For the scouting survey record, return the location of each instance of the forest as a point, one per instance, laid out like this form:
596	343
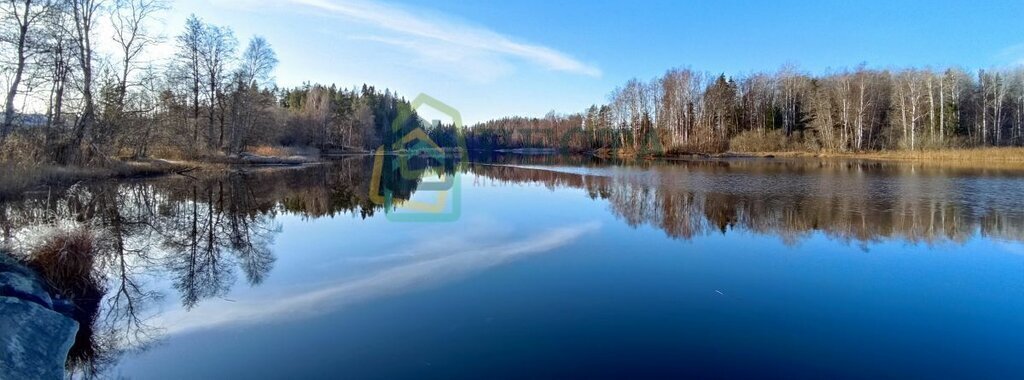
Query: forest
66	103
686	111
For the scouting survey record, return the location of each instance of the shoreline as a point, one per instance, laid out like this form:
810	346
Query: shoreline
22	179
17	179
977	157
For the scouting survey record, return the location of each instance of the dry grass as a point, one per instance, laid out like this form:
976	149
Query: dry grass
66	261
1004	155
757	141
961	158
16	178
170	153
270	151
282	151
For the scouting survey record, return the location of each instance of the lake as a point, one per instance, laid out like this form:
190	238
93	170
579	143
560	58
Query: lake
551	266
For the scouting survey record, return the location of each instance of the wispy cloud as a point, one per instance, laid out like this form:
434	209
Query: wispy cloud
464	258
443	38
464	63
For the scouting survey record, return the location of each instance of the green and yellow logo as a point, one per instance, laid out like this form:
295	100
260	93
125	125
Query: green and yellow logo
439	184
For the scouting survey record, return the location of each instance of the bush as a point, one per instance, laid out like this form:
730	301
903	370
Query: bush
66	260
22	147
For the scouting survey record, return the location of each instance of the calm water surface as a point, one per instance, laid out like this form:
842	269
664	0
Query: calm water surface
559	267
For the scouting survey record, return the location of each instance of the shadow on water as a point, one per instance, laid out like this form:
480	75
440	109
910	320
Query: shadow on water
205	234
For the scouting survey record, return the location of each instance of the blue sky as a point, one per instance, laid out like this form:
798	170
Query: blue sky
496	58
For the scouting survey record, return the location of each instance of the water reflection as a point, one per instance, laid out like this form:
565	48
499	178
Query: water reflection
424	269
852	201
201	234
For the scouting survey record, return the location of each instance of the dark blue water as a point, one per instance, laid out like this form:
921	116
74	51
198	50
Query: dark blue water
711	270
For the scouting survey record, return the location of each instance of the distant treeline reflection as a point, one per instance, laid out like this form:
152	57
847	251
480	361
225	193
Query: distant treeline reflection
846	200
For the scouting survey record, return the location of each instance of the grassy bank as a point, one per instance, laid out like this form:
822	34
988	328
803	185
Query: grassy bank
968	158
18	178
971	155
982	158
1000	155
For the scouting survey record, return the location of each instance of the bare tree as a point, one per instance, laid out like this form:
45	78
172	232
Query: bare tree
132	37
23	15
84	14
189	60
217	49
258	61
248	102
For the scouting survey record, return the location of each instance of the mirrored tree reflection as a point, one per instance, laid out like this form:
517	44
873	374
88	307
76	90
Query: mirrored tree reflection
202	234
850	201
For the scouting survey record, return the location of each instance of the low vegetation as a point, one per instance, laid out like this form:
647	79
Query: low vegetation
65	260
18	177
1007	155
760	141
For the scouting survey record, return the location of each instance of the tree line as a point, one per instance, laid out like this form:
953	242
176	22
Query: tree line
66	102
845	111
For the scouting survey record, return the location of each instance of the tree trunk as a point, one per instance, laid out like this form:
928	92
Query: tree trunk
942	111
19	69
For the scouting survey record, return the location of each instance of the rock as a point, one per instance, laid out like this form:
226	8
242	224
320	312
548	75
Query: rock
24	287
34	340
20	282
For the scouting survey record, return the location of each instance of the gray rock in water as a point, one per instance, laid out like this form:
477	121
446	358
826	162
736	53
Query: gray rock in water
34	340
24	287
